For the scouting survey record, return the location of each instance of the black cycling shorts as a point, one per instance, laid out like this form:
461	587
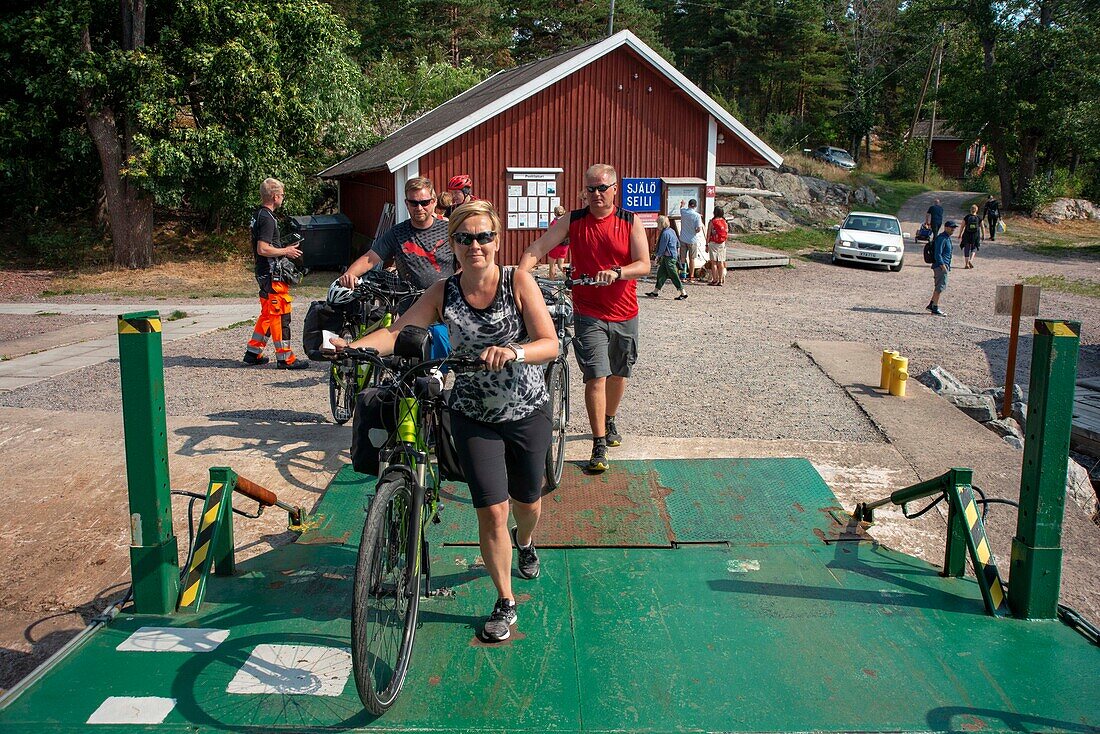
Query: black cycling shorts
502	460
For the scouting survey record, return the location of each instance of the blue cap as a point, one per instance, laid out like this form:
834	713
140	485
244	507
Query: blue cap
951	223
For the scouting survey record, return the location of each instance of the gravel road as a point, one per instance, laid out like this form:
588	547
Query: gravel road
721	364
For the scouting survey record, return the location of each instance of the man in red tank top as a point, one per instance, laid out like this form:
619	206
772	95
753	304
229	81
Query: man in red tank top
609	244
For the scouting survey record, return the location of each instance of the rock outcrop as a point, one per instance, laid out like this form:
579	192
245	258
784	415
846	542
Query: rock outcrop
1060	210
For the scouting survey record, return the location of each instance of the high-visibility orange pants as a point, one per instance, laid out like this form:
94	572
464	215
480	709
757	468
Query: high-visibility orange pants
274	321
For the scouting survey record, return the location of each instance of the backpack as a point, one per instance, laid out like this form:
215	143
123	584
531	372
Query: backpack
929	252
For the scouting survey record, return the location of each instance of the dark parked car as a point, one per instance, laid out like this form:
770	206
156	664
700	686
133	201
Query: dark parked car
835	156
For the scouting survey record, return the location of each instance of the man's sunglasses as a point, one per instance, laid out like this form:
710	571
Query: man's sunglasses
467	238
601	188
419	202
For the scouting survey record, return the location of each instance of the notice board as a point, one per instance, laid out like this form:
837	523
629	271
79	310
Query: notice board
532	195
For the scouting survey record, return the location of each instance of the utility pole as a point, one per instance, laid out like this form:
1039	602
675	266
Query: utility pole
923	91
611	21
935	99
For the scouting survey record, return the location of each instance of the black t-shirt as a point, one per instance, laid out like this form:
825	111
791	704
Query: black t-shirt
935	214
264	229
992	208
422	255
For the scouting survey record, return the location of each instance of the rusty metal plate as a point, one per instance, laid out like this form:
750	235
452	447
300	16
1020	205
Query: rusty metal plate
622	507
745	501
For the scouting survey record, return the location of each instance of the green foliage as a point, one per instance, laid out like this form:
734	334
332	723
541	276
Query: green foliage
893	193
402	90
798	240
909	160
72	247
1046	187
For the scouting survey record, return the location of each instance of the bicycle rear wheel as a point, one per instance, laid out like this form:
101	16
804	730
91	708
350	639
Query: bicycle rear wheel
385	603
557	384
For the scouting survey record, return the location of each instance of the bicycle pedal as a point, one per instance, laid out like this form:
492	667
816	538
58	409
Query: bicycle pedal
437	519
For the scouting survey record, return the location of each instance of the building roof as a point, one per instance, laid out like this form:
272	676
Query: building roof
508	88
943	131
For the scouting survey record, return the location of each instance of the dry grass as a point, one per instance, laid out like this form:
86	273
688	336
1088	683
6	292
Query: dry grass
1075	238
808	166
187	279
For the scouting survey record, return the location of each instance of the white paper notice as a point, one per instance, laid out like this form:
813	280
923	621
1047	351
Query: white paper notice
513	221
513	203
544	205
532	188
523	220
542	188
555	202
515	190
551	188
544	221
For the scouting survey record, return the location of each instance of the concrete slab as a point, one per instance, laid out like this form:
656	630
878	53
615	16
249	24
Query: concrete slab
933	436
61	337
737	258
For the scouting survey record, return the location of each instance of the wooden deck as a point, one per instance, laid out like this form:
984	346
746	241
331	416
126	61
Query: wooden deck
1086	417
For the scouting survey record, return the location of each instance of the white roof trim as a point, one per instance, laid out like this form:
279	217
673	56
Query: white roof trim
579	61
535	170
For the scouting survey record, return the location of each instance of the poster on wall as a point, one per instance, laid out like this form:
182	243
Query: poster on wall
532	196
675	193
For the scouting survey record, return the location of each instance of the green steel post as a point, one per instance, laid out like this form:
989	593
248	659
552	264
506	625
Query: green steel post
1036	572
154	564
225	563
954	557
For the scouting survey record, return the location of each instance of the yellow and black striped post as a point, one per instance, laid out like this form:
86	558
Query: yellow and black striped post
213	544
154	566
965	513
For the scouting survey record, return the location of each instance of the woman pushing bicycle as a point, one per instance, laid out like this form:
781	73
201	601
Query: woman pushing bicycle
499	420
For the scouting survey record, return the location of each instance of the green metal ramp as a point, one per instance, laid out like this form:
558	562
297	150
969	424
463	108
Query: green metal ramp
650	616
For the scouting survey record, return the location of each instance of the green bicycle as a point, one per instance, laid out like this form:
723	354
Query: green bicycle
393	553
374	303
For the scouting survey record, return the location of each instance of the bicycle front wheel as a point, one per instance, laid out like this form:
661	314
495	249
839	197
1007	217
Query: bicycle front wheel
557	384
386	596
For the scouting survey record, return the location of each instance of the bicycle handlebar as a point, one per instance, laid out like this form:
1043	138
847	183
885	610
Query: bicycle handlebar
393	363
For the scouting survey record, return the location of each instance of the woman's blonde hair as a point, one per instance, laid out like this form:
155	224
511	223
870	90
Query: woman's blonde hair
473	209
973	208
663	222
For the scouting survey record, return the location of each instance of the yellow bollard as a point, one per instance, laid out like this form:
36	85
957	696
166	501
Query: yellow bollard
887	368
899	375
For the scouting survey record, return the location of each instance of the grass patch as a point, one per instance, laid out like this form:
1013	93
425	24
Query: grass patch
798	240
1066	239
176	315
892	193
1060	283
236	325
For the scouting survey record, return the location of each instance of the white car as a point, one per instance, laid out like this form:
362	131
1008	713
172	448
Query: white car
866	237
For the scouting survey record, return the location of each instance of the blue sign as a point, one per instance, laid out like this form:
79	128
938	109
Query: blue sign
642	194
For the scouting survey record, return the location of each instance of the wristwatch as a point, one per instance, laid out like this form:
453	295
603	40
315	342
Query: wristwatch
618	272
519	353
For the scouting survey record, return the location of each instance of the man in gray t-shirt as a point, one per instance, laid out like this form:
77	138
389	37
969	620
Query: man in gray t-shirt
690	224
418	245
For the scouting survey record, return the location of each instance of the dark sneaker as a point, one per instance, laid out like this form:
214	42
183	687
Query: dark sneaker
298	364
937	312
252	359
613	437
652	294
598	462
528	564
682	297
498	627
930	307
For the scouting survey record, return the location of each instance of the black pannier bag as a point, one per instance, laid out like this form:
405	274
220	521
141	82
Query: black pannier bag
320	316
376	420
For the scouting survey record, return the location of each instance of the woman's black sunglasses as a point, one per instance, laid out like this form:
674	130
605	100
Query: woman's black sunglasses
467	238
601	188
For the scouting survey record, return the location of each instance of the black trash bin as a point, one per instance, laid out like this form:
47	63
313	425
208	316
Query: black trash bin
326	241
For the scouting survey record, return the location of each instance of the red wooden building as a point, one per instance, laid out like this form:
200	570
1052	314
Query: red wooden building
950	152
526	136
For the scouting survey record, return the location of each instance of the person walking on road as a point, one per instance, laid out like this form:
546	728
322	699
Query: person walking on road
991	212
971	240
667	250
933	218
275	300
941	266
608	243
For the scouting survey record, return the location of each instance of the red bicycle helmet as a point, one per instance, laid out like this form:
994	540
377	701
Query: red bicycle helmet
459	182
